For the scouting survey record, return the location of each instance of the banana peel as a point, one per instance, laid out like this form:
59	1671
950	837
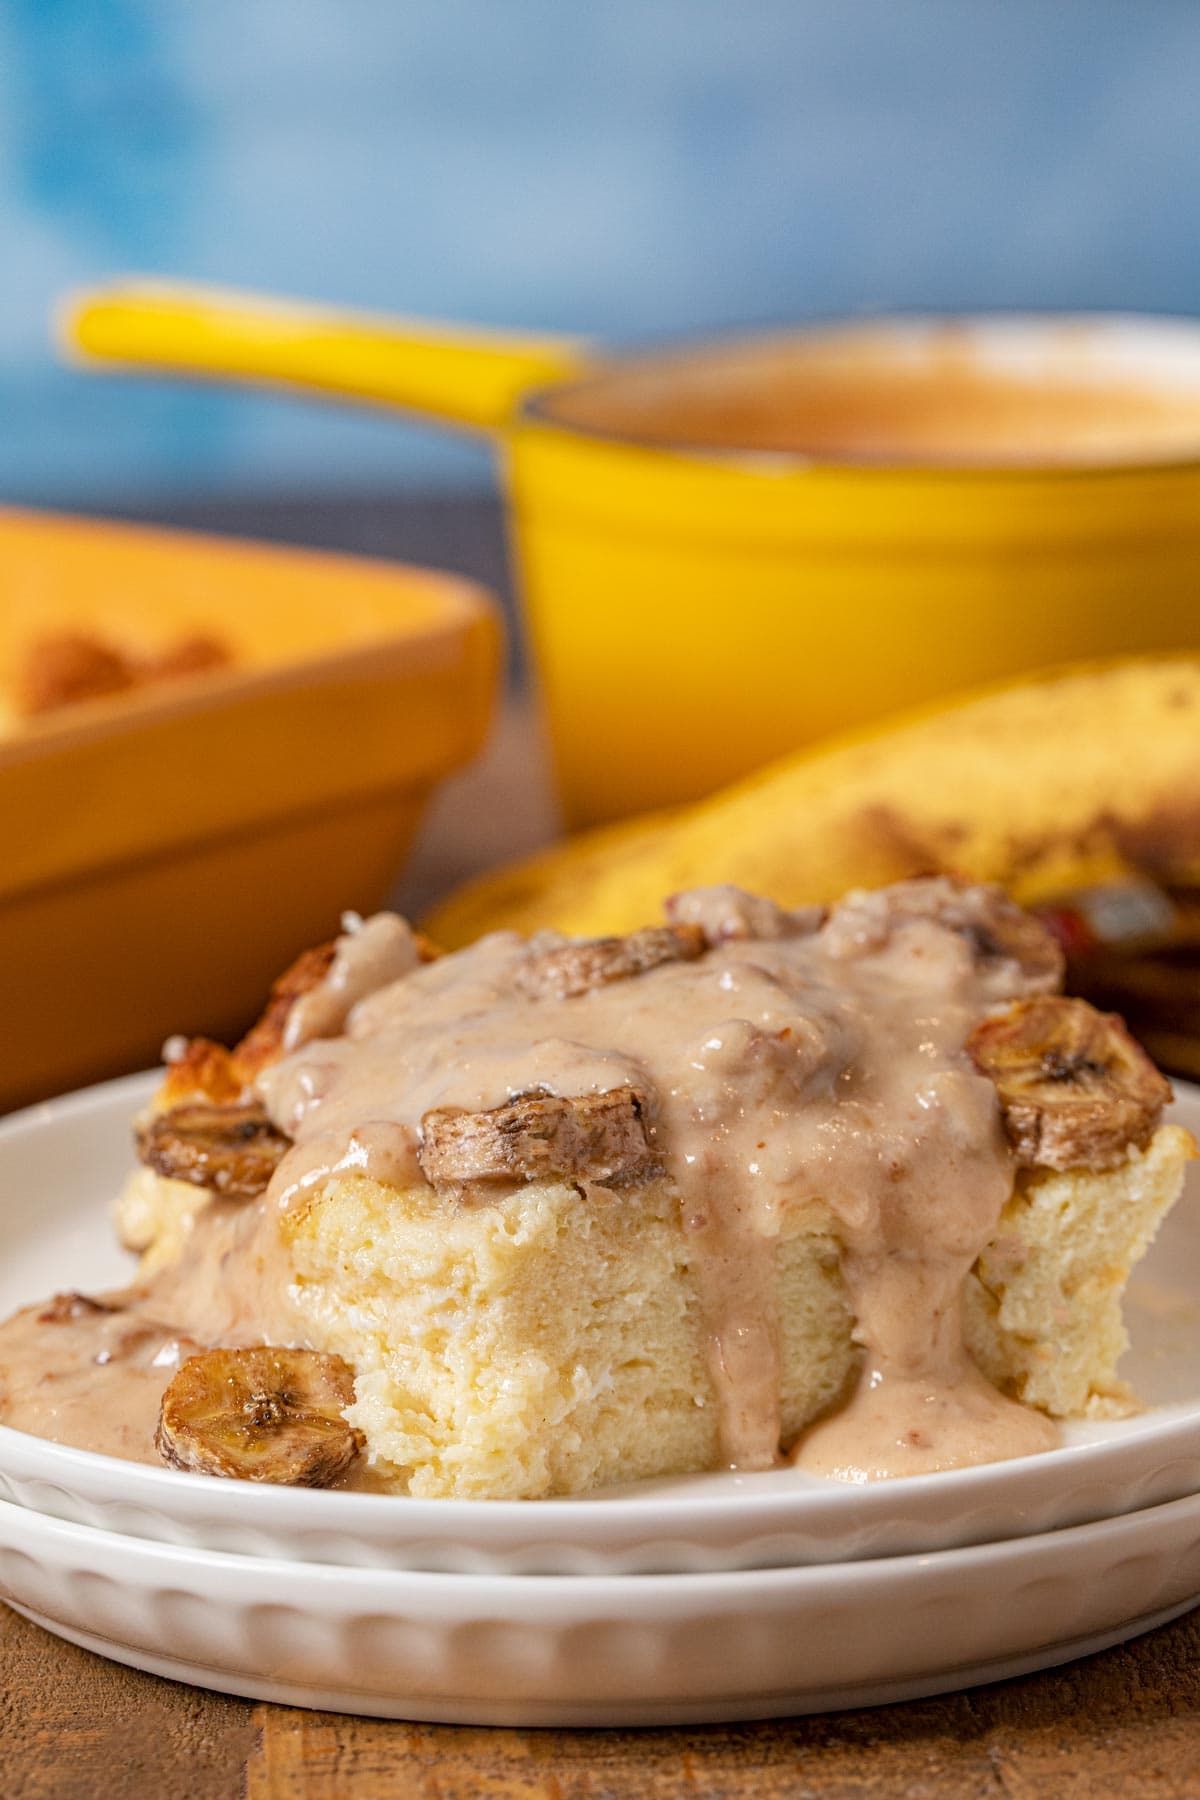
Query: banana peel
1071	779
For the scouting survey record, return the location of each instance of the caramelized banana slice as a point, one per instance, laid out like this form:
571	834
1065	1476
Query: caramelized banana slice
572	969
538	1137
231	1149
260	1415
1075	1089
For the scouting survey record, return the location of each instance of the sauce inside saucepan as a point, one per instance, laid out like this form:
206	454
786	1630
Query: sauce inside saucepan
944	393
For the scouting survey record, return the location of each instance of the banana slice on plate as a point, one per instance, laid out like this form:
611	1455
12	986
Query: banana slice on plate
261	1414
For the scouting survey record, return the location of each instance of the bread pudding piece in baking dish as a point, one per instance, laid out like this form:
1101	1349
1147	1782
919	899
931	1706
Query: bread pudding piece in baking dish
859	1188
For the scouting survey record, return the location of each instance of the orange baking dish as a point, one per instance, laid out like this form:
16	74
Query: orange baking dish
163	854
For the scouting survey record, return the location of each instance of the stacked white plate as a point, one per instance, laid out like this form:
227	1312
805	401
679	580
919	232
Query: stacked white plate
707	1598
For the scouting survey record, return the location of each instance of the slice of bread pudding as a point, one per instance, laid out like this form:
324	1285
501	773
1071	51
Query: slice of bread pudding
545	1215
858	1187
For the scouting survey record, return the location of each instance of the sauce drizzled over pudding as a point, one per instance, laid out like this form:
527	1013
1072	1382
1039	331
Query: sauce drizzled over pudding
859	1188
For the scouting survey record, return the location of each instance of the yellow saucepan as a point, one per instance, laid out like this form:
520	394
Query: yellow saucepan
726	551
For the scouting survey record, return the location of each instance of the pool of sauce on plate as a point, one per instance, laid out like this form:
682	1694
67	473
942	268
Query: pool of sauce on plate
97	1380
811	1062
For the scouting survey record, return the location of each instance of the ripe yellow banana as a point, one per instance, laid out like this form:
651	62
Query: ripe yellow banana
1069	780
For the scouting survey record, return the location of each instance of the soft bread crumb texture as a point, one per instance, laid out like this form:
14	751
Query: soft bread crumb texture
547	1343
552	1340
1043	1303
154	1216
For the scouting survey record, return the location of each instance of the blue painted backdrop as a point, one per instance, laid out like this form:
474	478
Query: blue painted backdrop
619	167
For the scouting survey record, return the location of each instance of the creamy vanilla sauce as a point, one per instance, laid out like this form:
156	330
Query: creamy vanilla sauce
815	1065
370	954
97	1381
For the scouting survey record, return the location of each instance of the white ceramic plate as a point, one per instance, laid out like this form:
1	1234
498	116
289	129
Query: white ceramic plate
61	1164
612	1650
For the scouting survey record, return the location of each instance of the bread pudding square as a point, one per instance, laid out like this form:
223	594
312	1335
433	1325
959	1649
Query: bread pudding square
858	1189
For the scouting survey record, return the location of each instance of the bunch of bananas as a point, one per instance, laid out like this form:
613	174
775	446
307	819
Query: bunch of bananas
1078	790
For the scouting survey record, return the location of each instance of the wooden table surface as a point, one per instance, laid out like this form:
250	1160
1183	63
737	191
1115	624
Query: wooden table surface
1124	1725
75	1727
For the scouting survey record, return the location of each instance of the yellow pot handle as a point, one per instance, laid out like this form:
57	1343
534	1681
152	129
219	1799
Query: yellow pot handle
463	376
